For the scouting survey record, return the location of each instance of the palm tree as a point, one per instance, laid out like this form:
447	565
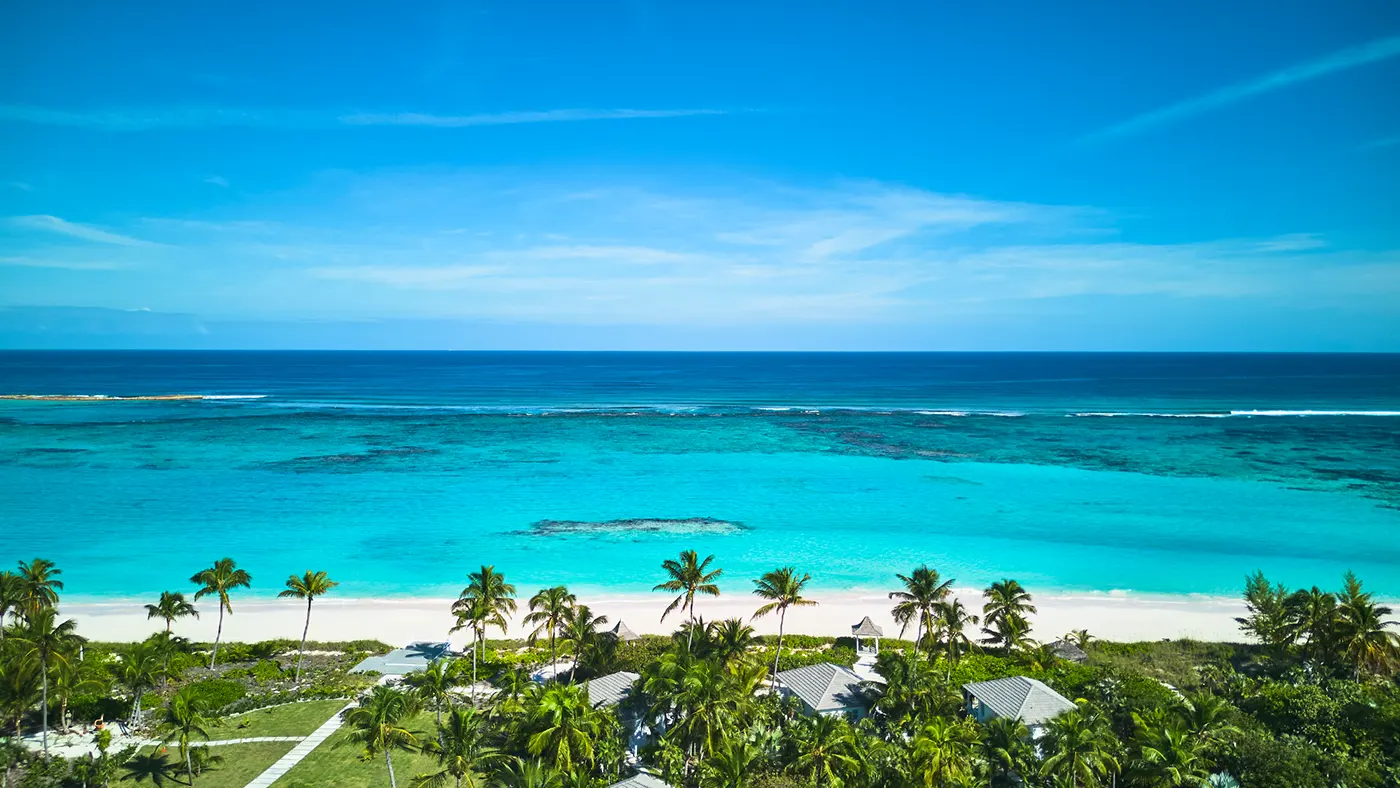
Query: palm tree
462	751
172	605
45	640
19	686
1207	718
1269	618
826	751
1362	632
1007	750
1006	614
38	585
377	723
942	751
1314	618
783	589
218	580
140	669
1081	748
528	774
153	766
561	728
580	632
186	716
1170	758
10	595
923	590
730	639
485	602
688	578
1079	637
548	611
950	622
433	684
732	766
309	586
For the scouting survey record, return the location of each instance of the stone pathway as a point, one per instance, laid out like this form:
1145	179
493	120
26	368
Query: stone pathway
276	770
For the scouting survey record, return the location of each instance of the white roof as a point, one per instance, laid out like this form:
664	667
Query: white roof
1019	697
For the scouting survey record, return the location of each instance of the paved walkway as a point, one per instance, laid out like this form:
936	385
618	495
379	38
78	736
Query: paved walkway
276	770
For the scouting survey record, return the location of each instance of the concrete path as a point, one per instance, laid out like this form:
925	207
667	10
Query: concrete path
276	770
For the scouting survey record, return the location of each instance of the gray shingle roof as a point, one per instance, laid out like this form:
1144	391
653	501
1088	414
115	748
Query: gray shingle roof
623	633
640	781
1019	697
402	661
867	629
609	690
824	687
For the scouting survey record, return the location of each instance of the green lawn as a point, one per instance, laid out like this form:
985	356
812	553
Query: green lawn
242	762
337	765
297	719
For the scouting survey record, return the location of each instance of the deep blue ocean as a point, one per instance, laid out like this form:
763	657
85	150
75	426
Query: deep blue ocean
400	472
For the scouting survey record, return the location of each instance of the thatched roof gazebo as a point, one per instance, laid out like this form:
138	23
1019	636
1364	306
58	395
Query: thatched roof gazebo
623	633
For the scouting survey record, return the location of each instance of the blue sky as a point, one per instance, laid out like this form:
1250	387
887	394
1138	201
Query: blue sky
651	175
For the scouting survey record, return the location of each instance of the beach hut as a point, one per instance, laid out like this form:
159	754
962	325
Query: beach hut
826	689
1016	697
623	634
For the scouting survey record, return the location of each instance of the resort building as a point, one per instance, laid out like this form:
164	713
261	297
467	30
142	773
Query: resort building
403	661
825	689
640	780
611	689
1016	697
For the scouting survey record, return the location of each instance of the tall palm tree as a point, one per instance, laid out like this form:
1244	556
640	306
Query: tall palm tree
486	602
463	752
1170	758
187	717
942	751
549	609
1080	747
172	606
1006	614
377	724
19	686
309	586
1363	634
141	667
580	631
731	766
10	595
1007	751
433	684
218	581
38	585
562	728
688	578
826	751
45	640
923	590
783	589
1314	619
730	639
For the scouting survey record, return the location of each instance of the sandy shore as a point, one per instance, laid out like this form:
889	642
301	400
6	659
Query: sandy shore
1122	617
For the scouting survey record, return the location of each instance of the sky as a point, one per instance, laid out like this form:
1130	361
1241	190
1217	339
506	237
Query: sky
637	174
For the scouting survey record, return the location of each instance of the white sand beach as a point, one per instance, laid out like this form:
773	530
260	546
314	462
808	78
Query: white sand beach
1122	617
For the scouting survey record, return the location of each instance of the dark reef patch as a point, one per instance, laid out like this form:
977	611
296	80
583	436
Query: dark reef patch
632	527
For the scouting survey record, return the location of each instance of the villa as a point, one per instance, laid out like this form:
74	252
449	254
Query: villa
1015	697
640	780
611	689
826	689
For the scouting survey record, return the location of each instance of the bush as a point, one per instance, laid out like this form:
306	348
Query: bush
91	707
643	651
218	693
801	659
266	670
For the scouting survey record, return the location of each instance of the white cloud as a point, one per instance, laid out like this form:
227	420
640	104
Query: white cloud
69	265
217	180
513	118
53	224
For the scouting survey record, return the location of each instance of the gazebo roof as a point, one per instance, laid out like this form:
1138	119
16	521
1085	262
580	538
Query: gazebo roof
867	629
622	633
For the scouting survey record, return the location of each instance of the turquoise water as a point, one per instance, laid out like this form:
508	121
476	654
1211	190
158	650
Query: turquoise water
398	473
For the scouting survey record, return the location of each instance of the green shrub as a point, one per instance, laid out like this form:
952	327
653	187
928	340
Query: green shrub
266	670
218	693
88	707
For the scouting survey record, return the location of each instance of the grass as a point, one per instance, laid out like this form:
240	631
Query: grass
296	719
242	762
336	764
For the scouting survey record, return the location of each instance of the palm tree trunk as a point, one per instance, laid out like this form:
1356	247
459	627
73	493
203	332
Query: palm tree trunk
218	633
782	619
553	658
44	670
189	765
301	652
392	782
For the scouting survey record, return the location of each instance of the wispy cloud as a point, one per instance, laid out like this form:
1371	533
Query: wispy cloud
53	224
511	118
1354	57
128	119
217	180
21	185
1382	143
69	265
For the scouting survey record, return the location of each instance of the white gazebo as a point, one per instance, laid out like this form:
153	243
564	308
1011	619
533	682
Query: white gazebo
866	652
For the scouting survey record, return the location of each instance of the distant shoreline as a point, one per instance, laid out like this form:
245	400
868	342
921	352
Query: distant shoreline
97	397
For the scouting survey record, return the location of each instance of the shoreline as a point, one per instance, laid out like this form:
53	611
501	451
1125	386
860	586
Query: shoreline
397	621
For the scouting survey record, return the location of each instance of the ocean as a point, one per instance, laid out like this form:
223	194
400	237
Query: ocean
400	472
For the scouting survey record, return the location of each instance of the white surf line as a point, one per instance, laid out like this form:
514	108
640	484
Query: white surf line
286	762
